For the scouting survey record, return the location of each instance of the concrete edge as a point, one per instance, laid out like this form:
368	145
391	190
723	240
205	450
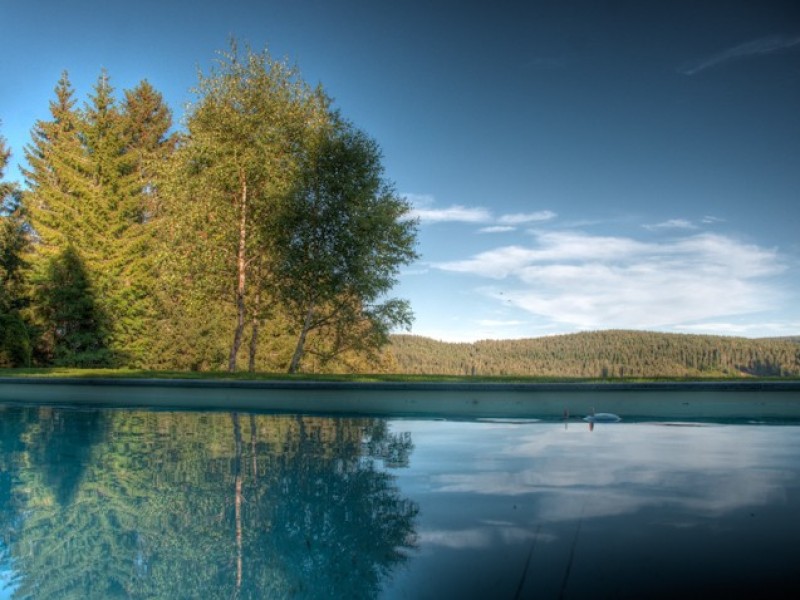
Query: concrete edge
660	400
726	386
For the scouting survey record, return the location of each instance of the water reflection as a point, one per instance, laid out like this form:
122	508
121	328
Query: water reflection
199	505
628	510
139	504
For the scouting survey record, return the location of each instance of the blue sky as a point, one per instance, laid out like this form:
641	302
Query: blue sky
574	165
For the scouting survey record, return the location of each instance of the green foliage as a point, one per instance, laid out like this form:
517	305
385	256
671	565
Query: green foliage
180	239
601	354
240	215
15	335
244	134
74	325
92	186
340	238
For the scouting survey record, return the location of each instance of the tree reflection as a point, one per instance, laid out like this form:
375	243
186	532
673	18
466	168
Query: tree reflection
211	505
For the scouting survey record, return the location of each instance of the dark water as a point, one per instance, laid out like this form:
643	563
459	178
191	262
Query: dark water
142	504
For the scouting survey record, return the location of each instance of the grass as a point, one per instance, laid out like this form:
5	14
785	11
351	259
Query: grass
246	376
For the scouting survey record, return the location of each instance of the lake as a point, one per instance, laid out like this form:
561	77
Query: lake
145	503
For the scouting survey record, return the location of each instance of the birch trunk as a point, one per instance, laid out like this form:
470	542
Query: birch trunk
256	309
301	342
237	503
241	267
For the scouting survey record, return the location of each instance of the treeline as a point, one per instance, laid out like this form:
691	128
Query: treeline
264	233
602	354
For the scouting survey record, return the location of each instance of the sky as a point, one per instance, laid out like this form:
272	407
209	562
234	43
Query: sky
574	165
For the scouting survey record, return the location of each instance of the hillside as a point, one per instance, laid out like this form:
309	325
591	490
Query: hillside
602	354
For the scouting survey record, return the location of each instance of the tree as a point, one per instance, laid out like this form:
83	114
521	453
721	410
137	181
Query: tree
74	325
57	175
341	238
128	146
92	188
245	134
15	342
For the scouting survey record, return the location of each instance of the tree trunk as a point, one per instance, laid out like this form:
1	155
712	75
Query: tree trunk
253	448
241	267
301	342
237	502
251	361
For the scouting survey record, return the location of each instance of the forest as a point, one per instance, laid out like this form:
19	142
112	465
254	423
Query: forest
262	235
602	354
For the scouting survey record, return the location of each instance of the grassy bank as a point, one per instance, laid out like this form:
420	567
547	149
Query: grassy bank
245	376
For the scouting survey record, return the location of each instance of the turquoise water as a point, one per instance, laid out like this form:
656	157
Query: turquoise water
147	504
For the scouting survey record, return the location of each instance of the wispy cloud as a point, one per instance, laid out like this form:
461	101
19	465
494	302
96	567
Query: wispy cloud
757	47
451	214
767	329
424	209
497	229
594	282
671	224
522	218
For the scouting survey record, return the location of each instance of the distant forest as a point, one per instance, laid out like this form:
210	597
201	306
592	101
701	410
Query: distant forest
602	354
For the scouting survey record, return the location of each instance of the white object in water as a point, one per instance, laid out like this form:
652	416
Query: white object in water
602	418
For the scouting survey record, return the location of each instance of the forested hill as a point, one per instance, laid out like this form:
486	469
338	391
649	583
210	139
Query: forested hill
602	354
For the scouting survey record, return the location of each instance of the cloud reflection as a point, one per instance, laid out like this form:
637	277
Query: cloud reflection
621	470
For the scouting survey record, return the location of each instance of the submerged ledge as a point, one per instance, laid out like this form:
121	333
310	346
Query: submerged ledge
668	399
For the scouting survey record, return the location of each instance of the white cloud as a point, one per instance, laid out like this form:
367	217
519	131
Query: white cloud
423	209
520	218
497	229
672	224
757	47
455	213
595	282
754	329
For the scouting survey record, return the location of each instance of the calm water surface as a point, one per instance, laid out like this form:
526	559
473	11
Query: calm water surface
144	504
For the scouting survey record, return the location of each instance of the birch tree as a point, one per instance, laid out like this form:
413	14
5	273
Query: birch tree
245	133
342	236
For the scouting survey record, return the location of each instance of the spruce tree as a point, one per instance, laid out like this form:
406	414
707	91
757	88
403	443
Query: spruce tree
146	125
75	327
57	176
92	181
120	248
15	335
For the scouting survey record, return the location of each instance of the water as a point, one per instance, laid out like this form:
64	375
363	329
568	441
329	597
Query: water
147	504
